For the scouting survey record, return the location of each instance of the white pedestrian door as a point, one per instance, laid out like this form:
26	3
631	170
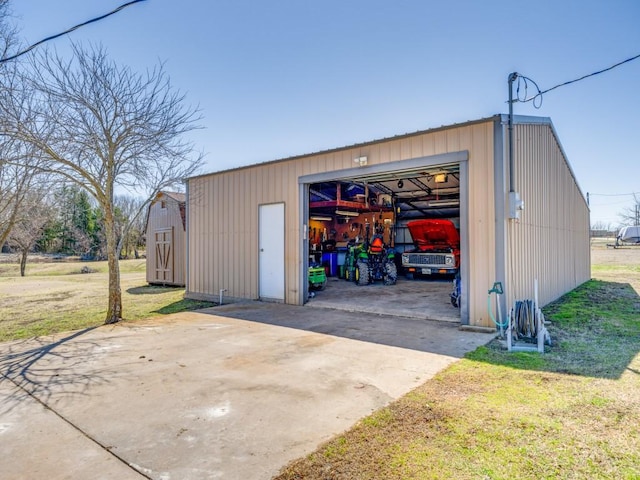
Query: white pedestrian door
271	252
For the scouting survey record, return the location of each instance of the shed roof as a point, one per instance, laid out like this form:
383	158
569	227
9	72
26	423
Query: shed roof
500	117
497	117
177	196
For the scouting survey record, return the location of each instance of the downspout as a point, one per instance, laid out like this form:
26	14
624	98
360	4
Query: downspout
513	200
512	181
515	204
502	222
186	238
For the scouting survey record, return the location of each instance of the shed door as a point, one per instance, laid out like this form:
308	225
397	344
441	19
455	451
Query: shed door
164	255
271	252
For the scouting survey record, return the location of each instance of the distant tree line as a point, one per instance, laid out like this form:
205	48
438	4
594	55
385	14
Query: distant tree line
66	221
76	226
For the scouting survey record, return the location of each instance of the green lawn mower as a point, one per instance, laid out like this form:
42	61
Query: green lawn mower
371	261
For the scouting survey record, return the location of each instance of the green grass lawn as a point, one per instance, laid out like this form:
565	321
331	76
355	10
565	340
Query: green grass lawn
571	413
56	297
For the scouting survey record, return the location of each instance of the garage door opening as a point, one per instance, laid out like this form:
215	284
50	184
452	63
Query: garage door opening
388	243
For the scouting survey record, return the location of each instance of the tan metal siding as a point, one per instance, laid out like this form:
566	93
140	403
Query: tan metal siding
482	242
550	242
161	219
223	209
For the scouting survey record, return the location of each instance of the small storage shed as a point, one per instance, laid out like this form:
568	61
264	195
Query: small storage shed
252	232
166	239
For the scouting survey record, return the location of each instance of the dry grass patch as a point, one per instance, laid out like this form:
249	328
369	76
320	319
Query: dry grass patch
57	297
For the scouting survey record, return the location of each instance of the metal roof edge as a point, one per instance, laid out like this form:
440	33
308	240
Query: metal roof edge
531	120
493	118
179	197
526	119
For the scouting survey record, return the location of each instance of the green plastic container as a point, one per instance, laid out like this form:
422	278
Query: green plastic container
317	278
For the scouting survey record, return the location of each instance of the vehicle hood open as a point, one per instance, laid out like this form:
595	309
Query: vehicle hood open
434	234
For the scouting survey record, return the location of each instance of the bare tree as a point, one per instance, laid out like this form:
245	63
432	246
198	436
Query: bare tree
133	223
16	179
16	175
102	126
8	32
33	215
631	215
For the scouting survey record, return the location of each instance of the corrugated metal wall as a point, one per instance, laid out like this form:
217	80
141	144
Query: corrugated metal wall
223	212
550	242
166	218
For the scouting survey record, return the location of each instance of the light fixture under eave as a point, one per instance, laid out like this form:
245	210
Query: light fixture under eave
362	161
440	178
444	203
321	219
345	213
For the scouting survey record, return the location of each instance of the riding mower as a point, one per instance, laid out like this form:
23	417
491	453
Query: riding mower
371	261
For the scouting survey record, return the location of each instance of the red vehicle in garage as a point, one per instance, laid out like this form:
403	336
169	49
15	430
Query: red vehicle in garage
437	248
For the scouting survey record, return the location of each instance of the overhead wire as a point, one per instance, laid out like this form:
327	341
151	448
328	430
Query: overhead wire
75	27
606	204
522	80
526	80
615	194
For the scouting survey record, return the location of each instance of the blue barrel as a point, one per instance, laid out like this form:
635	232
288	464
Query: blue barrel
330	260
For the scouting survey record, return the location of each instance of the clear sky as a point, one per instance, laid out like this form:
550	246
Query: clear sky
288	77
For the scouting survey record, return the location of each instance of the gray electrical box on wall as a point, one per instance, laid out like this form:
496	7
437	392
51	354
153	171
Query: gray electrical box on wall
516	205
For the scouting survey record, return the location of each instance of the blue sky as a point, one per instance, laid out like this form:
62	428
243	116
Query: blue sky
287	77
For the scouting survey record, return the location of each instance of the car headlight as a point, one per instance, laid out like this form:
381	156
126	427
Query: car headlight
405	258
448	260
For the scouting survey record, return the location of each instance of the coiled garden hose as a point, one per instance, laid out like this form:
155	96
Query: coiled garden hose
525	318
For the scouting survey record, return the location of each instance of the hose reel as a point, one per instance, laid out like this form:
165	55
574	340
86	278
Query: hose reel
526	331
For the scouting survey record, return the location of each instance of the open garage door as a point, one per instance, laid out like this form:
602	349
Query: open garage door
418	216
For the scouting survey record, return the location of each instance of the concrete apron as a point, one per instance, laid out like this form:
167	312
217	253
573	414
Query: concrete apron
201	395
423	299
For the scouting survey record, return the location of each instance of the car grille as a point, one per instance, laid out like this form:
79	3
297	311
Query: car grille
427	259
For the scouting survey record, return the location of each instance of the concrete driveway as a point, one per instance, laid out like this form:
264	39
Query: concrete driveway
204	395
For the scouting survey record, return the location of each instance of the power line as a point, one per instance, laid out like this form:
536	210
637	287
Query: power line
615	194
539	93
591	74
53	37
608	204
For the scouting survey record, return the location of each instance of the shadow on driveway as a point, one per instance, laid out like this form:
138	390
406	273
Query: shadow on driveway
46	366
443	338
